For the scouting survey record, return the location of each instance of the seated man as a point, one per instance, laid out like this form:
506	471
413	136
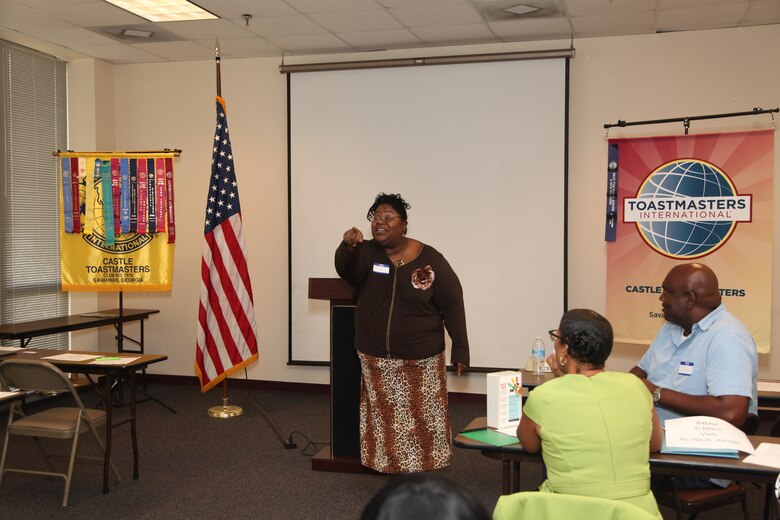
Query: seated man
703	361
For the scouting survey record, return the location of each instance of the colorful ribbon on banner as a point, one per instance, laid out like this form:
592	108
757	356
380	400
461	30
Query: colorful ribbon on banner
132	193
610	231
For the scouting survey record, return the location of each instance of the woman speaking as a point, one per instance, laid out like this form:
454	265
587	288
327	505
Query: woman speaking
406	294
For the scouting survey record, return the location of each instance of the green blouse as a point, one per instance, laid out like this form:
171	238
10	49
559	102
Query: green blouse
595	435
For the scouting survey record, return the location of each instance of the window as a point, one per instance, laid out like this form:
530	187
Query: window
34	124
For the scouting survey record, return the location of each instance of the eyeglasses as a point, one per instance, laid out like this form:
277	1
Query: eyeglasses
384	217
554	335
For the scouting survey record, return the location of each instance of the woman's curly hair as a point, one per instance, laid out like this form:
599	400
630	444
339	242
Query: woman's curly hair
588	335
394	199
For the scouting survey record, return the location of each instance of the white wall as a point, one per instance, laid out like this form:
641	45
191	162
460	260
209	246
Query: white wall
171	105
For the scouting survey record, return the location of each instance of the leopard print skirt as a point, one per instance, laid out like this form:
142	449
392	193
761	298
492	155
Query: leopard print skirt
404	418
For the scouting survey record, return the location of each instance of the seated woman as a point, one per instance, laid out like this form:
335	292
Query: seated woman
596	429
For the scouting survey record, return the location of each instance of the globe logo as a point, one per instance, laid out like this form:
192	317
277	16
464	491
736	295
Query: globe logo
687	208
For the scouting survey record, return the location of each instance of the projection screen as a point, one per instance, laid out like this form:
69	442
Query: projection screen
478	150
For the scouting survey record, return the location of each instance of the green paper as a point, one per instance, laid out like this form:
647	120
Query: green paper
492	437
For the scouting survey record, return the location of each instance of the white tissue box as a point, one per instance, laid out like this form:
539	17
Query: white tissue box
504	399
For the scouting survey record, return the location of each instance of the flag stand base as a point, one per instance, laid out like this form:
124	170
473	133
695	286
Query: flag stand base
225	411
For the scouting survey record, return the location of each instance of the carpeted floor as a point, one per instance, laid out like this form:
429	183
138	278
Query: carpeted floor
196	467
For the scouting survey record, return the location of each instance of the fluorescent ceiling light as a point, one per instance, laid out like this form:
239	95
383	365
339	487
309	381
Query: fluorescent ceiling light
164	10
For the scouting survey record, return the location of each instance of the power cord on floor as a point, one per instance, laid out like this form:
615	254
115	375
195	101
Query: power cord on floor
316	446
288	443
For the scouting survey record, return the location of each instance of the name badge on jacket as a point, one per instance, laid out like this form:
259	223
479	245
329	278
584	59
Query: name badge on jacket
686	368
381	268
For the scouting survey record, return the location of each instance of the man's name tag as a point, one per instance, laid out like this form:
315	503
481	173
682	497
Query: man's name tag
686	368
381	268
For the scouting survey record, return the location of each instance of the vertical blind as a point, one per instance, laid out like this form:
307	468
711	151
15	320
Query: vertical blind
34	124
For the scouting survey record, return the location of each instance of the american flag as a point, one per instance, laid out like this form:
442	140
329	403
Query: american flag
227	331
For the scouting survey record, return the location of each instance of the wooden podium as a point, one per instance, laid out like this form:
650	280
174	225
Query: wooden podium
343	454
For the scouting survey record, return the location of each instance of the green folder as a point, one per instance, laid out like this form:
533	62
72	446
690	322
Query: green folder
492	437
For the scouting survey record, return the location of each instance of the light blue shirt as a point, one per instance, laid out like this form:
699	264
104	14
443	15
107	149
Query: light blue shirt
719	357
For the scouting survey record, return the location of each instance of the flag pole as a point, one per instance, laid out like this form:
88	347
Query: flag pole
225	411
219	73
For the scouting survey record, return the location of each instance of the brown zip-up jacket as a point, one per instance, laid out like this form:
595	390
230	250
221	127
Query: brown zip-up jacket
401	312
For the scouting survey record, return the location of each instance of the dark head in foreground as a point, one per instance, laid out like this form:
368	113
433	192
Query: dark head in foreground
422	496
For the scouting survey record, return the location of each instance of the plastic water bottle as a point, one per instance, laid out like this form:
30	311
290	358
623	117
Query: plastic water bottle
537	355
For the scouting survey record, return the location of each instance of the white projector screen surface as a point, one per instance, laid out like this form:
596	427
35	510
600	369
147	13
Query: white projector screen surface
478	150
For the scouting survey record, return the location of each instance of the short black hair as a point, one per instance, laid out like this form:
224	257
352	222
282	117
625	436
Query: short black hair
424	496
588	335
394	199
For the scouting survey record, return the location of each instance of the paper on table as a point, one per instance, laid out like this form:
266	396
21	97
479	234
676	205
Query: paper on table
72	357
113	361
700	433
8	394
767	454
768	386
10	349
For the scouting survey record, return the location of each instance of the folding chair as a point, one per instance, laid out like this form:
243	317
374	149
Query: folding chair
56	423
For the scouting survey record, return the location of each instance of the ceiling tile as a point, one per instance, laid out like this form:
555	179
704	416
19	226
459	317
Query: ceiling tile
372	40
642	23
285	26
92	14
117	53
456	34
763	12
316	43
438	15
419	3
686	4
205	29
177	50
329	6
71	36
235	8
244	47
21	18
549	28
700	17
356	21
608	7
46	3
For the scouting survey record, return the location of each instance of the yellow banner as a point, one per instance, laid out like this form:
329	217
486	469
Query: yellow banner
134	262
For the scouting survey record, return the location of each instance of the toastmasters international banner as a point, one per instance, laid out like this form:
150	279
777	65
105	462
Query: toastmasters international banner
117	221
694	198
